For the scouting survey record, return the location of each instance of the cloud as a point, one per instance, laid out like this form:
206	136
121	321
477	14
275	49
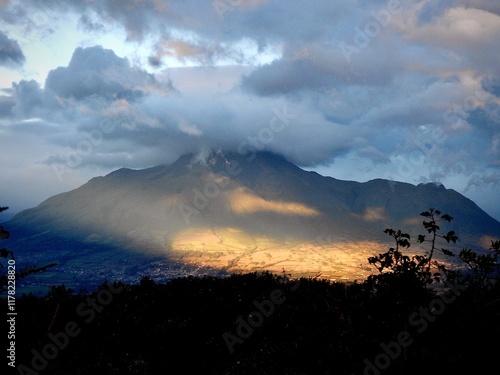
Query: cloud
459	27
189	129
315	68
492	85
374	154
29	98
11	55
133	119
466	36
476	181
201	52
156	118
98	71
6	103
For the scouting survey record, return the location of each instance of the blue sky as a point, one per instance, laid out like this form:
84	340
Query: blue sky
402	90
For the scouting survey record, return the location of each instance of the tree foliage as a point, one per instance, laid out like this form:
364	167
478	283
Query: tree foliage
416	267
484	266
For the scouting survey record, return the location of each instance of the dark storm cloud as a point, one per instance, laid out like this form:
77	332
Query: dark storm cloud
11	54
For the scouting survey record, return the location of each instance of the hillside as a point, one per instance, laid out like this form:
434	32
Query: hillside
231	213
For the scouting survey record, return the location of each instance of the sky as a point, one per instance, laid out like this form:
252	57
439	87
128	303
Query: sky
400	90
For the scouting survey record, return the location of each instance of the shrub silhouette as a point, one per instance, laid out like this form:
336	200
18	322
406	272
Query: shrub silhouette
485	267
418	267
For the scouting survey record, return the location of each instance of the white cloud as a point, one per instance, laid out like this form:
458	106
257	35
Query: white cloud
189	129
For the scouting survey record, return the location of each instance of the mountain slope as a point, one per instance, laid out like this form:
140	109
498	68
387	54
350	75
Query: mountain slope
236	213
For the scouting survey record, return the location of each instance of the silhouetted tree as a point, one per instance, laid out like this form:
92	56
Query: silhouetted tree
484	266
433	226
418	267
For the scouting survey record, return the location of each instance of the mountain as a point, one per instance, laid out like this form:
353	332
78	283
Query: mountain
230	213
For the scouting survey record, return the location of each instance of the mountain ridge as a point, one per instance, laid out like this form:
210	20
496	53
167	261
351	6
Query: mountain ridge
239	213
